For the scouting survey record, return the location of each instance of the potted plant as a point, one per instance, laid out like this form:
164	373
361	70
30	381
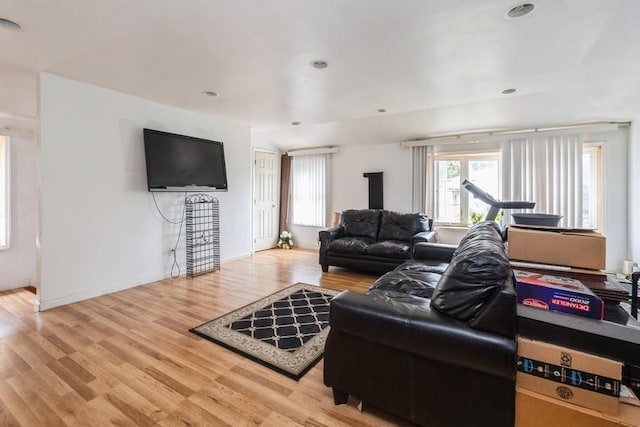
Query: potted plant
286	240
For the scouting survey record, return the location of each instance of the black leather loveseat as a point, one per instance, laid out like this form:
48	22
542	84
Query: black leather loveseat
373	239
432	342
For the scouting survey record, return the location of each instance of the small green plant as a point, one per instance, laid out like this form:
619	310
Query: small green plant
477	217
286	240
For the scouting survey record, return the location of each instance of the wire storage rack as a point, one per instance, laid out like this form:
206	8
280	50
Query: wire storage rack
202	234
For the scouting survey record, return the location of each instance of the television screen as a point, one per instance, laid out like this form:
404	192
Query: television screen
183	163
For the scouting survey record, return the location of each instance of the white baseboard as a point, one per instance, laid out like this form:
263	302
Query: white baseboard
309	247
236	258
15	284
70	299
93	293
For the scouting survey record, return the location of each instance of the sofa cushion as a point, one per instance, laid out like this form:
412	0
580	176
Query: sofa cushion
350	245
390	249
407	282
476	274
399	226
424	266
361	223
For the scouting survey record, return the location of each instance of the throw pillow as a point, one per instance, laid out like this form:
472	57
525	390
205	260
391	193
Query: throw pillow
402	226
360	222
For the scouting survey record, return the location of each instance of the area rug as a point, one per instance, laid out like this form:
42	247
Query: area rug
285	331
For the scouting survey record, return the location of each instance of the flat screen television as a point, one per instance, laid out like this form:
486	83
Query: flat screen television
183	163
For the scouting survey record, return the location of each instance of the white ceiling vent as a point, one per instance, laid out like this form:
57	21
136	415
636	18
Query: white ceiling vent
520	10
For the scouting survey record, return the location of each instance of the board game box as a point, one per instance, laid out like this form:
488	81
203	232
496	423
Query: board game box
557	293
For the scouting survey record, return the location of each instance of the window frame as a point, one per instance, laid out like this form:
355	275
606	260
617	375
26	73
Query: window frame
5	170
598	149
463	158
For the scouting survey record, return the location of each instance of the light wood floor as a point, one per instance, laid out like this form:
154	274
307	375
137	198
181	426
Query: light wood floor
128	359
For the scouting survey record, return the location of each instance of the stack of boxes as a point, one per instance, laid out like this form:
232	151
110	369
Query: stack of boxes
548	264
552	250
572	376
582	249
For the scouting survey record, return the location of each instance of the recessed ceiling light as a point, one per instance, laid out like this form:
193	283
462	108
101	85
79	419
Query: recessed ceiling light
508	91
520	10
296	123
381	110
319	64
9	25
210	93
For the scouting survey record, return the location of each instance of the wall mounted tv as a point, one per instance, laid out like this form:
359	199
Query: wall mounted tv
183	163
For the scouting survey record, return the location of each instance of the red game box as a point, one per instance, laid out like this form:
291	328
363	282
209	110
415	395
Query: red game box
557	293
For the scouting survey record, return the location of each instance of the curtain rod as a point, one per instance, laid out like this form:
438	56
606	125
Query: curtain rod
311	151
499	132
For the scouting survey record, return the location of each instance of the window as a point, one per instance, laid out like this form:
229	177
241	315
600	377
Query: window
309	179
560	173
592	186
452	203
4	192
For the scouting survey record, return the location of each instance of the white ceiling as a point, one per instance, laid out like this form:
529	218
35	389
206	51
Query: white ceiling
435	66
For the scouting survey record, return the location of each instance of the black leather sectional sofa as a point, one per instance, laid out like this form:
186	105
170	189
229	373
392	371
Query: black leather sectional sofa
373	240
432	341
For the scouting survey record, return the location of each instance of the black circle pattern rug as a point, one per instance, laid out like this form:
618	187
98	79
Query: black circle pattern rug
285	331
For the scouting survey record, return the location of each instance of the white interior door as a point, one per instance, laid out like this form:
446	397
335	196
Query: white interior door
265	229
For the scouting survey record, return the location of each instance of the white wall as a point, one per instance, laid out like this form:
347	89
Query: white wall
348	189
100	231
18	262
351	190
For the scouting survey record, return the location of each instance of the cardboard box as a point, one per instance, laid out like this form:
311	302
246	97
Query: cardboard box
569	375
573	248
535	410
556	293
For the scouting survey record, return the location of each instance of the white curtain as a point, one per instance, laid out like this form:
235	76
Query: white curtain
421	179
309	190
546	170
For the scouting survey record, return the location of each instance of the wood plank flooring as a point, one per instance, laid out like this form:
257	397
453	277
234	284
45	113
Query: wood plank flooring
128	358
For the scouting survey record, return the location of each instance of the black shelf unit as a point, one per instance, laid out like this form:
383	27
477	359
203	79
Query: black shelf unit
202	234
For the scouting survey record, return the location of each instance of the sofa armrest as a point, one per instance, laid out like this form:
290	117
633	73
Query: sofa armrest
433	251
329	234
424	236
325	237
408	324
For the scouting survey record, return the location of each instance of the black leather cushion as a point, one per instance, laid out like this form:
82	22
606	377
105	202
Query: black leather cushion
407	282
399	226
350	245
477	273
487	230
361	223
417	278
424	266
390	249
